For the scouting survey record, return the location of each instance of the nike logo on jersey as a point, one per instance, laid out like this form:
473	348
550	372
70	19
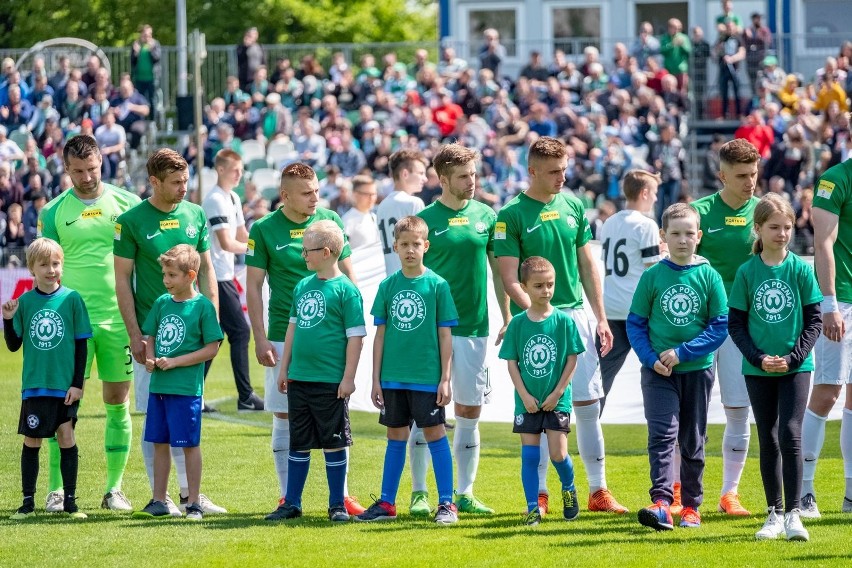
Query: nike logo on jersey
281	247
130	372
531	229
68	223
152	236
715	230
441	232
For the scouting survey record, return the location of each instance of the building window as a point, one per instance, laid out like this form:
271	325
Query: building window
576	28
827	23
504	21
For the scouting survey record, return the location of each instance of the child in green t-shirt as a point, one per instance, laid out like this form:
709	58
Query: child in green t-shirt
181	333
678	318
541	346
52	324
321	351
775	321
413	313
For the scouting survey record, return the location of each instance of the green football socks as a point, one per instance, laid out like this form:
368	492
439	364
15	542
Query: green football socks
117	434
55	478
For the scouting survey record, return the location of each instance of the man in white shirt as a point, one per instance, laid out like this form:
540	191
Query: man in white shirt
228	238
359	223
408	170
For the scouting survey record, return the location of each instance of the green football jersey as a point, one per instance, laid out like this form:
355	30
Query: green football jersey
49	324
459	242
275	245
834	194
85	233
727	234
541	349
326	314
143	233
179	328
526	227
411	310
774	296
678	305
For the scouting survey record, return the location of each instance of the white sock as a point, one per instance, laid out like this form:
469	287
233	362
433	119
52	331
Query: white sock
846	449
148	455
281	451
179	458
466	453
418	450
543	461
590	444
346	479
734	447
676	463
813	437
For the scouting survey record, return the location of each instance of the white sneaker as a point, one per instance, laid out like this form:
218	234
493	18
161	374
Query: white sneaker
772	528
173	509
55	501
847	505
809	508
793	526
208	507
115	500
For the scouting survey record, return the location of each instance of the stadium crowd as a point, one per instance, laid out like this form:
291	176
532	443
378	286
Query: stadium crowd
629	111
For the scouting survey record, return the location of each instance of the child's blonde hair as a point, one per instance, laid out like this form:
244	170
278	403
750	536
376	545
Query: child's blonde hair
40	249
770	204
535	265
182	257
325	233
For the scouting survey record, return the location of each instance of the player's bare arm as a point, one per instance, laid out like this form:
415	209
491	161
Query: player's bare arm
353	354
207	280
345	266
286	357
511	285
445	348
564	380
127	306
230	244
530	402
825	234
263	348
502	297
376	395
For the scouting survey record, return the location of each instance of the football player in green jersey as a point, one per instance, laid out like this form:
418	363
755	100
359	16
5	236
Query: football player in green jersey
727	222
461	238
82	221
544	221
141	235
832	220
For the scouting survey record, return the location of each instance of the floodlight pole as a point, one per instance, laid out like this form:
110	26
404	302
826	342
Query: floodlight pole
182	80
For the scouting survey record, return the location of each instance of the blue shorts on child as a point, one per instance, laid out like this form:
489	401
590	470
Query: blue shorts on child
173	419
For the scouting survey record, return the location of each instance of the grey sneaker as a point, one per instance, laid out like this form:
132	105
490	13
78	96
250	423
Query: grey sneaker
337	513
115	500
194	512
847	505
809	508
283	512
252	404
207	506
55	501
793	526
153	510
446	514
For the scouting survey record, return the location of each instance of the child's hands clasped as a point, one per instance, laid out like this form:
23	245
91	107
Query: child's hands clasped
774	364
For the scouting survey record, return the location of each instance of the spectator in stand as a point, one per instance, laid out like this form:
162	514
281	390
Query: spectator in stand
11	191
38	70
536	71
757	38
450	66
728	17
788	96
15	231
830	91
98	106
310	146
259	87
131	111
771	77
111	140
676	49
790	160
804	222
710	172
539	121
700	56
9	149
359	222
667	157
830	68
60	77
645	45
224	140
276	121
30	220
446	113
17	112
145	65
492	53
232	94
757	132
40	89
250	56
729	51
344	155
591	55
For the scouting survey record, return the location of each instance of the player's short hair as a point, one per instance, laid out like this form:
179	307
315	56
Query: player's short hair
164	162
546	148
768	205
403	160
739	151
42	249
182	257
325	233
451	156
80	147
635	181
360	181
535	265
411	224
679	211
226	156
297	171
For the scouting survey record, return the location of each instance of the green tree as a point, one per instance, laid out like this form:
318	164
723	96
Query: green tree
116	22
